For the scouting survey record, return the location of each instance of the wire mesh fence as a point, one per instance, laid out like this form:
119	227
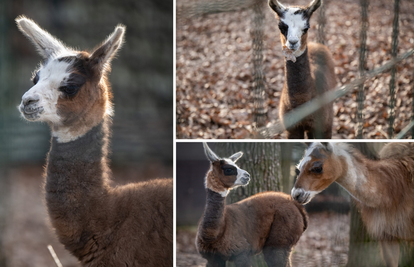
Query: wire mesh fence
272	128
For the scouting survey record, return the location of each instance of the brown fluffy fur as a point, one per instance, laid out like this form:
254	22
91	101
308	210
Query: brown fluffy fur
270	222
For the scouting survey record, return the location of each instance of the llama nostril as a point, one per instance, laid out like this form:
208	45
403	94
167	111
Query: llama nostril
30	100
293	42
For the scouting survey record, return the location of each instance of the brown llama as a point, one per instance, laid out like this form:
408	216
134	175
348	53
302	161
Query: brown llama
270	222
101	225
309	70
384	188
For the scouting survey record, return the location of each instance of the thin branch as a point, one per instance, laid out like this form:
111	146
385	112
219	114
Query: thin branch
54	256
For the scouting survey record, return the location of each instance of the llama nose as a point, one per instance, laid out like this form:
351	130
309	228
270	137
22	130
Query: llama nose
30	100
293	42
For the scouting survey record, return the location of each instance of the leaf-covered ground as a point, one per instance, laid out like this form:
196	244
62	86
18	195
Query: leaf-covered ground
214	80
324	243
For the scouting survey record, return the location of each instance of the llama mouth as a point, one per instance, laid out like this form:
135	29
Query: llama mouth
31	113
245	180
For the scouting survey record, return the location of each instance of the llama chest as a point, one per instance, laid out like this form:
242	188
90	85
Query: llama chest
385	223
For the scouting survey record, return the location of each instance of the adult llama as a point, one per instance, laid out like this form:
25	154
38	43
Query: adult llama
383	189
101	225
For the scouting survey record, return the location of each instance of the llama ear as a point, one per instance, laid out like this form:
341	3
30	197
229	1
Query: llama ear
327	146
277	7
211	156
315	4
45	43
102	55
236	156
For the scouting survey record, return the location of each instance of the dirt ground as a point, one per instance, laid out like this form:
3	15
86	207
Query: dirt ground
214	69
28	231
324	243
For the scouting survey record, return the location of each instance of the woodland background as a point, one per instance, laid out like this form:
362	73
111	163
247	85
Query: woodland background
214	67
142	82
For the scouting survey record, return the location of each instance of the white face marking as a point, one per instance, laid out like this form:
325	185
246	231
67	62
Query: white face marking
303	196
296	24
40	102
307	156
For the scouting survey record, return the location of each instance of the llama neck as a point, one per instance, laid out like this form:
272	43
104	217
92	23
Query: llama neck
213	218
298	81
361	178
77	185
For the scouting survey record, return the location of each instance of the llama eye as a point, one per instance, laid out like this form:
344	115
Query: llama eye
283	28
228	171
69	90
317	169
36	78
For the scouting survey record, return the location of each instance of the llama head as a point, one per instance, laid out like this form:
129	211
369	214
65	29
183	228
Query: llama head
224	174
294	24
70	90
319	168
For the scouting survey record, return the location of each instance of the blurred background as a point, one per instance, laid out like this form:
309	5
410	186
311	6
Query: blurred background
335	234
142	84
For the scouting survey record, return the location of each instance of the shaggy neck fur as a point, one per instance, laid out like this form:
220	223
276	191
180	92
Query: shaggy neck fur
298	79
369	180
77	185
213	218
385	192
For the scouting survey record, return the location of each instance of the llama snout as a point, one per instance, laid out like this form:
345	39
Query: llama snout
29	106
302	196
245	179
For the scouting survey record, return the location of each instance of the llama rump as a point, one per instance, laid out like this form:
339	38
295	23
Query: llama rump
270	222
309	70
384	188
101	225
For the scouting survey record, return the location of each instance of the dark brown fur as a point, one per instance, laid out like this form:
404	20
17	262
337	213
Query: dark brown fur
101	225
270	222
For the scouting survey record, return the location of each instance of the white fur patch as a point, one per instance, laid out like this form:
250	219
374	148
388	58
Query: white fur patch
307	156
296	24
46	91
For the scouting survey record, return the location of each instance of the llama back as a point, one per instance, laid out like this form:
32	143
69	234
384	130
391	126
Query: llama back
322	64
148	211
397	150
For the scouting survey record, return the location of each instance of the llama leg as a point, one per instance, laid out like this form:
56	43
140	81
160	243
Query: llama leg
242	260
215	261
296	133
277	256
390	251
